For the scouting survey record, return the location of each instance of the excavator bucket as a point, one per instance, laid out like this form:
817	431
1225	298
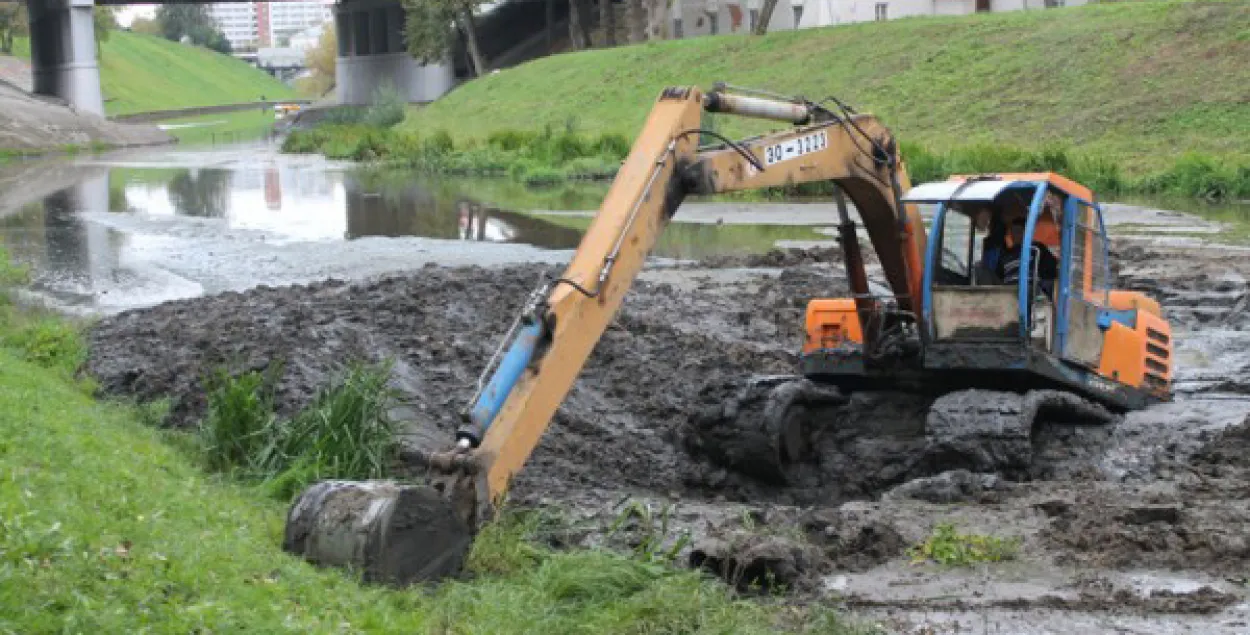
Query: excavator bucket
392	533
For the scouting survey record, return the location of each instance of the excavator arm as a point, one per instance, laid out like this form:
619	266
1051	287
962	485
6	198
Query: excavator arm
544	351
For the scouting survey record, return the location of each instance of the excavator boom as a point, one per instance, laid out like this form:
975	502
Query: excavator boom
546	348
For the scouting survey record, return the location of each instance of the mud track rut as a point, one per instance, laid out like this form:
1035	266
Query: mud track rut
1165	490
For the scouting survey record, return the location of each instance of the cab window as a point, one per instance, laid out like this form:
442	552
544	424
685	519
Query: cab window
961	248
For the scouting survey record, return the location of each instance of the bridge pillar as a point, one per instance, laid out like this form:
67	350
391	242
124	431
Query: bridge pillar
372	53
62	52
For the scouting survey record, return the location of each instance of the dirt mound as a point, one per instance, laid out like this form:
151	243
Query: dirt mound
1170	534
1227	455
851	541
439	327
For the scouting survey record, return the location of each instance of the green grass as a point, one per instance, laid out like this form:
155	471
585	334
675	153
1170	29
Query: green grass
224	127
140	73
1113	80
948	547
345	433
107	525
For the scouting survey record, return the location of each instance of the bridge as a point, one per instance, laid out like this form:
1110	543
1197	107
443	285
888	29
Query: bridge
370	40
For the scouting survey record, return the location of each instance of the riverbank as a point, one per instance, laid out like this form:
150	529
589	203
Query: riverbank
32	125
1103	93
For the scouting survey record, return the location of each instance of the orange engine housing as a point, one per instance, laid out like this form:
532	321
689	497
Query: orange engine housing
1141	355
832	322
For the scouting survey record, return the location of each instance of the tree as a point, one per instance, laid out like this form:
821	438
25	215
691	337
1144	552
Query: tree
191	21
766	15
13	22
430	29
146	26
321	61
104	21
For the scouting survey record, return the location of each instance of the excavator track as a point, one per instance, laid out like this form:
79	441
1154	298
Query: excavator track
993	431
768	430
764	431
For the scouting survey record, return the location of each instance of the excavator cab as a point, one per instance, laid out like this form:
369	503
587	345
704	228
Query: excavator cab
1035	302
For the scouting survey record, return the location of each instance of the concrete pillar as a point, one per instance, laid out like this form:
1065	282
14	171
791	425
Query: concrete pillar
371	52
62	51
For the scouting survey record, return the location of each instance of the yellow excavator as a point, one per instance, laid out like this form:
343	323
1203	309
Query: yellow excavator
1001	312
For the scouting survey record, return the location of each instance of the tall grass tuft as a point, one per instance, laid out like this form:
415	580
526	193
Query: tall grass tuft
240	416
345	432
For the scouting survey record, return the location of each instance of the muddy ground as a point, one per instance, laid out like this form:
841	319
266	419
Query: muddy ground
1135	527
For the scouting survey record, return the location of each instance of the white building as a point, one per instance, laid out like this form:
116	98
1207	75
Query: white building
252	25
288	17
238	22
691	18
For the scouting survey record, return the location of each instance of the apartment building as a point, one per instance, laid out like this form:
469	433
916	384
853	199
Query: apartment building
253	25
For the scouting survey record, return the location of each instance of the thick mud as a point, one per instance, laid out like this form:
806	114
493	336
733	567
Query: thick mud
1162	491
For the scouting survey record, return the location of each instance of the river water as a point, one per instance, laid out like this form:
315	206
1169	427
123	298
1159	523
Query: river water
133	228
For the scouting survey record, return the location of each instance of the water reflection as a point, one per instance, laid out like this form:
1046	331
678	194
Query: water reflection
76	262
201	193
415	210
320	205
135	234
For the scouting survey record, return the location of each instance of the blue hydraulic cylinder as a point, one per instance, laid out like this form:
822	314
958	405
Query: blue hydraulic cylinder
514	362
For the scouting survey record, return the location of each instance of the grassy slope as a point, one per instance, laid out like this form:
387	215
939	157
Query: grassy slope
1135	81
142	72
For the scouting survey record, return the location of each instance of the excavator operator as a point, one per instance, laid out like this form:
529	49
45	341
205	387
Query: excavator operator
1008	268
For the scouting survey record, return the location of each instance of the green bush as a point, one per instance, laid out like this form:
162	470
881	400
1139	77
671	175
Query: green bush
439	143
596	166
543	176
48	342
510	140
370	146
302	142
1200	176
614	145
343	115
387	109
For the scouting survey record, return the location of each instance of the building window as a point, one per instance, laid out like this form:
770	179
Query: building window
881	11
